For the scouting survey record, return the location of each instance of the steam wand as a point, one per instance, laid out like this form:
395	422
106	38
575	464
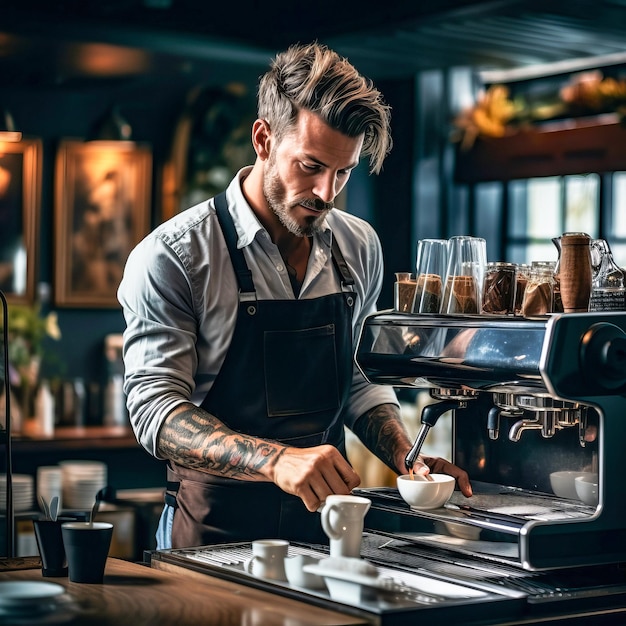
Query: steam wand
430	415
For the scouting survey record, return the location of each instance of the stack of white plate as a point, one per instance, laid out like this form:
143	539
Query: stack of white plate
23	492
50	483
81	482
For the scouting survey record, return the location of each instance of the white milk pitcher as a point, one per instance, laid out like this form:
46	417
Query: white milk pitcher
342	521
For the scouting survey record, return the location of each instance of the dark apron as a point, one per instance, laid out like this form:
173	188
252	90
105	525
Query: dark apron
286	377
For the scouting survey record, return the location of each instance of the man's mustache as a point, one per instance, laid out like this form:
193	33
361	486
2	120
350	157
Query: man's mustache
317	205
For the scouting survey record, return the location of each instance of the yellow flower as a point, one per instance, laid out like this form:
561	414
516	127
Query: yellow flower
52	326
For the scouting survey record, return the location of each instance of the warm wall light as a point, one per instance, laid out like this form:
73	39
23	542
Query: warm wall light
7	128
111	127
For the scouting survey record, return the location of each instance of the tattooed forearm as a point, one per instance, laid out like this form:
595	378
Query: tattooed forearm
196	439
382	431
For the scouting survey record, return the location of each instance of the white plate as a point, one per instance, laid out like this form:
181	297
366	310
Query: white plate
18	594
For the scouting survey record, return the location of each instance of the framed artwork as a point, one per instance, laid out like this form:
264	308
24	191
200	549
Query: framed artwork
102	210
20	189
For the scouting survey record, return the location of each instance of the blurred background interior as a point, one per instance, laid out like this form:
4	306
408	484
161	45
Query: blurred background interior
507	123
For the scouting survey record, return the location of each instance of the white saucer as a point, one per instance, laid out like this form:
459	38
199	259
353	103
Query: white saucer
20	595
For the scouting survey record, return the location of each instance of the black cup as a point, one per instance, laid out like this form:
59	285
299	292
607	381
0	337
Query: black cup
87	547
51	549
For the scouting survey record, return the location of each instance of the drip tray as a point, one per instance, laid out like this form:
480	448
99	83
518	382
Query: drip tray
492	502
400	594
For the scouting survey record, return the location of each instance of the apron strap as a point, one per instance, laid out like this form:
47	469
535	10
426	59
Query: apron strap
172	487
244	275
340	264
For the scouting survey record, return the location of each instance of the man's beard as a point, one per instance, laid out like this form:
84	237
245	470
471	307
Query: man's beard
275	193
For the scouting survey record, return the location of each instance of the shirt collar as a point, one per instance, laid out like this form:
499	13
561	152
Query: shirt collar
246	222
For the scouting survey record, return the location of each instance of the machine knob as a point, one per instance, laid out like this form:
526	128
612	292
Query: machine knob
603	355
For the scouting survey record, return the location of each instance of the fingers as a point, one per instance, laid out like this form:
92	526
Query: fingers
441	466
421	469
313	474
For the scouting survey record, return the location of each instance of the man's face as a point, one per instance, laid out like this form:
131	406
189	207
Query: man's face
306	170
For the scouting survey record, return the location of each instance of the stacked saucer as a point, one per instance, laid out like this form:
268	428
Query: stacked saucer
23	492
81	482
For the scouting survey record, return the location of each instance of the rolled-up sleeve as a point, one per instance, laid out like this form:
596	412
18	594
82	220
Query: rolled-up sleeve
160	359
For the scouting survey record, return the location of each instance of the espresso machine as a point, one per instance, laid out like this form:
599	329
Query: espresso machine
531	400
538	407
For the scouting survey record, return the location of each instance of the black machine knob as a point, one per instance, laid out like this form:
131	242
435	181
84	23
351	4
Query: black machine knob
603	356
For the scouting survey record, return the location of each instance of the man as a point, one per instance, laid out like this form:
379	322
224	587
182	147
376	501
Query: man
242	314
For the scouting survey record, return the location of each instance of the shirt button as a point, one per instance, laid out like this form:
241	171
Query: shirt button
280	268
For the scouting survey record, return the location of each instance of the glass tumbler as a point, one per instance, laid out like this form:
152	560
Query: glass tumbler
404	292
465	272
432	258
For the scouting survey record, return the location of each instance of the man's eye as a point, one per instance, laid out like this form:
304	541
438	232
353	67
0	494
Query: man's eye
311	168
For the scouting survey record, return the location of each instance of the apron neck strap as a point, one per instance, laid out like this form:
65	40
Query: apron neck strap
340	265
244	275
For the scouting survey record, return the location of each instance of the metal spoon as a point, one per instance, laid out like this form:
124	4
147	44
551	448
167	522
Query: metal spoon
54	508
44	506
94	510
101	495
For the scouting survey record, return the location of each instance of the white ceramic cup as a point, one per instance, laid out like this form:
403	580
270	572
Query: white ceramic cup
298	577
268	559
342	521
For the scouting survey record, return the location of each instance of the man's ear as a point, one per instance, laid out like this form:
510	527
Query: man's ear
261	138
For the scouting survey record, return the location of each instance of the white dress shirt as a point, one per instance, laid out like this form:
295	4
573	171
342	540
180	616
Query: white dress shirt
179	295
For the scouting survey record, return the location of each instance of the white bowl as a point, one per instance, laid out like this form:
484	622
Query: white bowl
562	484
587	488
424	494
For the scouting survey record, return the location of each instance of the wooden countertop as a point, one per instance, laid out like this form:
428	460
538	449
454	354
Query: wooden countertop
137	595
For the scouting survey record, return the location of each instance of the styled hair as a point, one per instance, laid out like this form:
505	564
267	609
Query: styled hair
314	78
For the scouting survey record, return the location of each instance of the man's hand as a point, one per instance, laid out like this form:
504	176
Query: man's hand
312	474
425	465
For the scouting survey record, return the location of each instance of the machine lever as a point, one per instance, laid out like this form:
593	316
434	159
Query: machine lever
430	414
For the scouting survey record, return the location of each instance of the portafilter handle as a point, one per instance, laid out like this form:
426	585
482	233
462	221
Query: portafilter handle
430	415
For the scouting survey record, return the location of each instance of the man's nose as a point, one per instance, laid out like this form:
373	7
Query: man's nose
325	187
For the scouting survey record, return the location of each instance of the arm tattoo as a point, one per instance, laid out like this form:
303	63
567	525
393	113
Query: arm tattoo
198	440
382	431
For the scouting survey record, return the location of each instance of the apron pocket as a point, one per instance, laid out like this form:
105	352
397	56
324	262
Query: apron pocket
300	371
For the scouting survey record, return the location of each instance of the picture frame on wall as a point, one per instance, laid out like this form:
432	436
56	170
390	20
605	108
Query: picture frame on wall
102	210
20	193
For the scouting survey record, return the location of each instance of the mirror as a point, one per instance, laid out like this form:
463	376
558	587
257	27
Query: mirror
20	175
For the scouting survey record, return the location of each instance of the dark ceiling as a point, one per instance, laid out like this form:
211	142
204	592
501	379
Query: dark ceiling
65	41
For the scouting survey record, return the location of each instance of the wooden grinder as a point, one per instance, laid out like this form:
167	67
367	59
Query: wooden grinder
575	272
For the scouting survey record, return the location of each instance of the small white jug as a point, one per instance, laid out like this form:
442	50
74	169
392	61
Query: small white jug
342	521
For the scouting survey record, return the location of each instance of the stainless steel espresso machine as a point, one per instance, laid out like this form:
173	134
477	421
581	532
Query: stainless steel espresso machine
536	403
530	399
